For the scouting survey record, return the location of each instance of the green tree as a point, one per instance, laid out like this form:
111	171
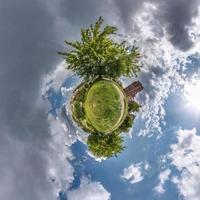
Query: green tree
127	123
133	106
105	145
97	55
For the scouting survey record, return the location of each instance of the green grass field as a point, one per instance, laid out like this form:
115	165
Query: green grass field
105	106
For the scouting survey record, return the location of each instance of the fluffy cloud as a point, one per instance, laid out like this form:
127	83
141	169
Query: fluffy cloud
55	78
173	18
23	170
177	16
163	177
186	158
133	174
60	170
89	191
162	72
27	52
62	130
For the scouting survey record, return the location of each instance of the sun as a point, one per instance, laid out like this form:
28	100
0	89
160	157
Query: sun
192	94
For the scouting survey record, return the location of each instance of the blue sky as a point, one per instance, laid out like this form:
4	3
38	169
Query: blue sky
43	153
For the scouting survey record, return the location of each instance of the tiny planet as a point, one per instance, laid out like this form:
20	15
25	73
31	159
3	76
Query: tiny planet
100	105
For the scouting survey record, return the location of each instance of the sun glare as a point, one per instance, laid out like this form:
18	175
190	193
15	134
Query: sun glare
192	94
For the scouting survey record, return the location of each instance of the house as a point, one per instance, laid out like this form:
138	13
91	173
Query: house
133	89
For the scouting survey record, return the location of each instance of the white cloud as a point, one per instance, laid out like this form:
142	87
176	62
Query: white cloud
55	78
162	72
60	170
65	90
89	191
163	177
98	159
146	166
186	157
133	173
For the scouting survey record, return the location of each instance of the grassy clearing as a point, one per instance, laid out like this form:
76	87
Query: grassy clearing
105	106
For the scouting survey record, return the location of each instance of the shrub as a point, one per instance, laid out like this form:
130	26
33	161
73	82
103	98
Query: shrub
78	110
105	145
133	106
128	122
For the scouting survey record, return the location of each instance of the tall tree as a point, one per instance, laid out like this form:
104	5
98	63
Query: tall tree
98	55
